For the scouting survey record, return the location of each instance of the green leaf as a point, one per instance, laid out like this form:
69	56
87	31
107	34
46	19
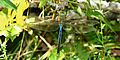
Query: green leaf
55	56
14	31
99	15
79	11
81	51
7	4
42	3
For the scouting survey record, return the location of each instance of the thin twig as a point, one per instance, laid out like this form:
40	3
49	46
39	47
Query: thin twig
50	47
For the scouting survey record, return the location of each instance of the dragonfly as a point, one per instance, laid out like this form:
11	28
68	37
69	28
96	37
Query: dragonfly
59	37
77	23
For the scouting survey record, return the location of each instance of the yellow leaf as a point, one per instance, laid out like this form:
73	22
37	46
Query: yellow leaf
22	6
11	15
16	2
3	21
20	9
20	20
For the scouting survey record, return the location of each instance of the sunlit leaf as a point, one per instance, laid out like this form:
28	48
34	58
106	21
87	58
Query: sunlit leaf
42	3
55	56
4	33
19	15
3	21
14	31
11	32
79	11
81	0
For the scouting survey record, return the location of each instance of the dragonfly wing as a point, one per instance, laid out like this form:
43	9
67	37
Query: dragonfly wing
48	27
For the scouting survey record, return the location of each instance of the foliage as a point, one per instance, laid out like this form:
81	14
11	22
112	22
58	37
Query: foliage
12	21
88	34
